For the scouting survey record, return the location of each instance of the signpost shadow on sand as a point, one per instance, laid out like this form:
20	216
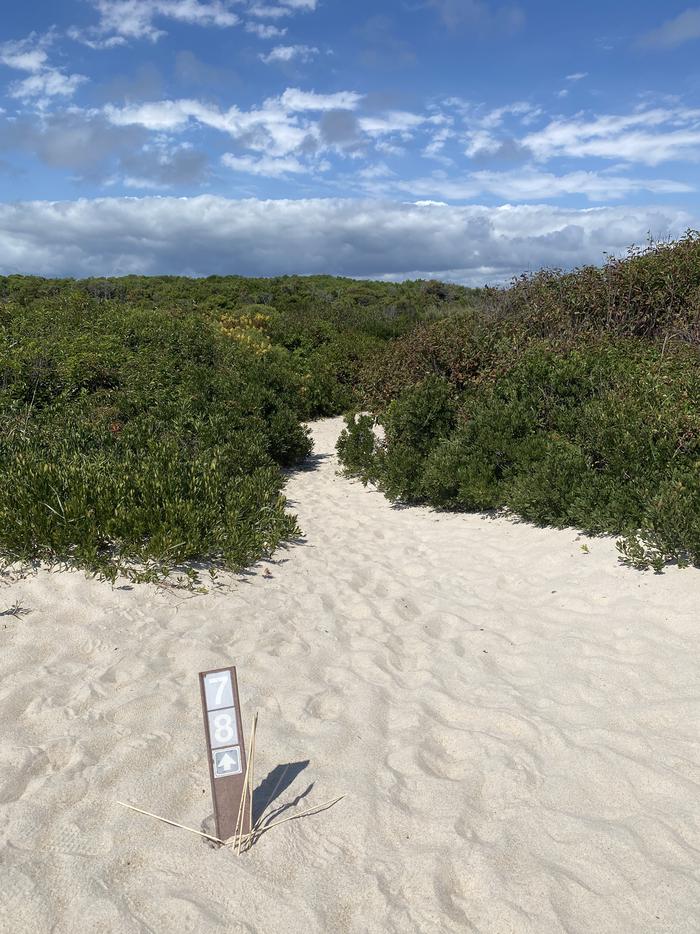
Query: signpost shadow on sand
274	785
270	789
239	810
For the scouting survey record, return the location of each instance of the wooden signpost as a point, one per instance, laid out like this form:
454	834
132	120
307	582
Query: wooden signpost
225	749
231	779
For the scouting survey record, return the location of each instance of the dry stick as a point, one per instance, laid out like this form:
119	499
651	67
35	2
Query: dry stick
251	779
237	828
252	775
247	796
248	785
171	822
238	841
238	836
307	813
257	831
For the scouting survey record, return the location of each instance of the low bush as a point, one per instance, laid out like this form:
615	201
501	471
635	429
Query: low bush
357	447
653	292
604	437
134	441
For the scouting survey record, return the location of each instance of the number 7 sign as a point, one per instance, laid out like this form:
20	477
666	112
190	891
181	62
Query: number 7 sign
225	748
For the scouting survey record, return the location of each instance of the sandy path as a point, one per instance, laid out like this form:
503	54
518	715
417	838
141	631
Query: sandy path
514	724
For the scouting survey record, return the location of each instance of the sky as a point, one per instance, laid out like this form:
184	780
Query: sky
466	140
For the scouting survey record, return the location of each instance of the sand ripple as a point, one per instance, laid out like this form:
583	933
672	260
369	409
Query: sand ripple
514	724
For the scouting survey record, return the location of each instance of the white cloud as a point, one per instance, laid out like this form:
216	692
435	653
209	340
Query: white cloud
43	81
266	166
89	38
163	115
264	31
481	137
378	170
135	19
26	54
177	114
577	76
646	136
529	184
494	118
481	142
271	128
284	8
46	84
264	11
288	53
387	148
392	121
434	149
296	100
208	234
674	32
134	181
279	128
277	11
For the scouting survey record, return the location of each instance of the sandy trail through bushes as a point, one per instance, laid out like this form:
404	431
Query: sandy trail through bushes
514	724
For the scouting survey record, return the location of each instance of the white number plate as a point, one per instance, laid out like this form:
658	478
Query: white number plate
218	690
223	729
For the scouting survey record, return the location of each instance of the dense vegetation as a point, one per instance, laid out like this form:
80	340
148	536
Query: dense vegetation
568	399
145	423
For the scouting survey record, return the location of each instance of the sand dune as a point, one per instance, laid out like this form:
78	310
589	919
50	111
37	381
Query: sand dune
513	722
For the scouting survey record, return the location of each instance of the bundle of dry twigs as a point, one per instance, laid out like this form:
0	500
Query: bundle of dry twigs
241	842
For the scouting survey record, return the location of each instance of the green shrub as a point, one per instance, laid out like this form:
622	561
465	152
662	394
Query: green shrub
605	437
414	424
460	349
357	447
670	531
653	292
135	441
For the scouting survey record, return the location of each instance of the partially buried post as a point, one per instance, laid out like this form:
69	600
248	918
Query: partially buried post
225	749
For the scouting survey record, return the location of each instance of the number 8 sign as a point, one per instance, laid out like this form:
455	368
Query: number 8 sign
224	732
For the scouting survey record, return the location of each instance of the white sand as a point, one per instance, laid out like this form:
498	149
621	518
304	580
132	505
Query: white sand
514	724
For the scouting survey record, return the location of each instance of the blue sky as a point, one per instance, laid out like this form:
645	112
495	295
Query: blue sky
463	139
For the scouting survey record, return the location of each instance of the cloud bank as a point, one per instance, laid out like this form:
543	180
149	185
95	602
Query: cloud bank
208	235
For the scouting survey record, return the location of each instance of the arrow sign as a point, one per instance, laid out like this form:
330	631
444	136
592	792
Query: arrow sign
227	762
227	759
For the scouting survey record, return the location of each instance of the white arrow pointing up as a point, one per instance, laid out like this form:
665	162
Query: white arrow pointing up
226	763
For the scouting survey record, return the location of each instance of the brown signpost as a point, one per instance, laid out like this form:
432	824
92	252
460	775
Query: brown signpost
225	748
